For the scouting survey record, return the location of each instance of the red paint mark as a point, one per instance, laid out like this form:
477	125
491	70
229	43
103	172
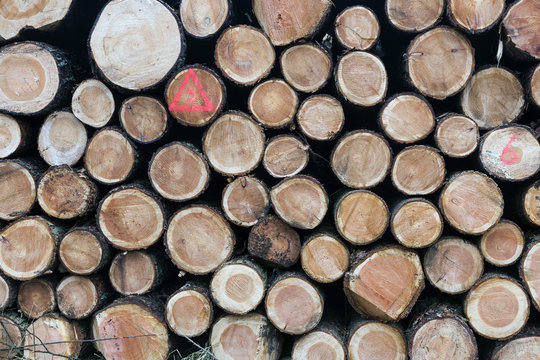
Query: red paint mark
190	102
512	153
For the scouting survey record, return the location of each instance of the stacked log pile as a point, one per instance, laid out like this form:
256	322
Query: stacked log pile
270	179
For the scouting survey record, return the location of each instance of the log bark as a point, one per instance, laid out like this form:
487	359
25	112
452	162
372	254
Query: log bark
18	187
307	67
179	172
245	201
199	239
369	339
494	96
204	19
418	170
301	201
357	28
238	286
136	272
456	135
324	342
249	336
475	17
84	250
156	30
285	156
189	311
135	330
78	296
11	336
273	103
65	193
453	265
428	51
93	103
17	135
534	86
8	292
497	307
274	243
414	16
131	217
527	344
361	217
293	304
144	119
407	118
385	284
510	153
471	202
530	203
529	270
324	257
522	28
503	244
62	139
320	117
416	223
36	297
241	45
234	144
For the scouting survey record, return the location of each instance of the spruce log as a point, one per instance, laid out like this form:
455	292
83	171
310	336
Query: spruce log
530	270
189	311
273	103
120	161
456	135
324	257
503	244
8	292
136	44
370	339
442	45
143	118
234	144
361	78
357	27
238	286
199	239
293	304
361	159
324	342
244	54
519	347
136	272
179	172
16	136
494	96
84	250
385	283
11	337
17	188
28	247
320	117
415	15
286	22
195	95
416	223
131	217
361	217
249	336
407	118
65	193
35	78
204	19
245	201
62	139
534	86
510	153
497	307
135	330
418	170
530	203
453	265
274	243
285	155
471	202
522	27
300	201
93	103
477	16
307	67
78	296
36	297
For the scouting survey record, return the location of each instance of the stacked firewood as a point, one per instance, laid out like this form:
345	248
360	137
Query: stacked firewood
270	180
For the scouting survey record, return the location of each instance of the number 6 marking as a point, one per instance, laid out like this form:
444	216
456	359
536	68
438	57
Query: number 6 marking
512	153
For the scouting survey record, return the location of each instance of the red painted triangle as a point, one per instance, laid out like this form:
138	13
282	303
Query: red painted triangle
189	104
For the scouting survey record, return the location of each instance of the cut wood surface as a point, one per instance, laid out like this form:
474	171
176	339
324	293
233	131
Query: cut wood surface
503	244
418	170
84	250
285	155
13	139
189	311
11	337
93	103
428	51
416	223
319	344
307	67
8	292
245	201
357	27
62	139
518	348
17	189
52	334
324	257
415	15
273	103
143	118
493	97
135	44
320	117
530	203
376	340
477	16
522	27
78	296
471	202
534	85
36	297
529	271
203	19
456	135
407	118
135	272
244	54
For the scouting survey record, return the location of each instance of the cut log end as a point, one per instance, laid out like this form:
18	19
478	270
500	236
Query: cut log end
471	202
11	337
189	312
285	155
203	19
77	297
361	217
475	17
273	103
36	298
143	118
529	272
52	334
12	136
374	339
93	103
414	16
457	136
17	190
535	85
320	117
81	252
502	244
531	204
521	25
245	201
418	170
497	307
133	273
307	67
318	345
417	223
324	258
519	348
8	292
357	28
